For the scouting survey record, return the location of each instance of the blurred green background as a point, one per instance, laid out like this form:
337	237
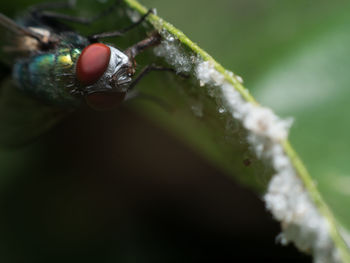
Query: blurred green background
113	187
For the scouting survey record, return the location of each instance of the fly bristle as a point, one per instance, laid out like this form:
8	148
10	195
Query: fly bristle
65	75
70	85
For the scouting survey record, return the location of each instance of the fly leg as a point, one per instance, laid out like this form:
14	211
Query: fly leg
139	47
145	71
121	32
41	11
135	94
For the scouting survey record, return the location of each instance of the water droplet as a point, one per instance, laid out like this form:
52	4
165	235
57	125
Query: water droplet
239	78
222	110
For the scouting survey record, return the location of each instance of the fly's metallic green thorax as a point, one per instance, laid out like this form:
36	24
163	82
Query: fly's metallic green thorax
50	76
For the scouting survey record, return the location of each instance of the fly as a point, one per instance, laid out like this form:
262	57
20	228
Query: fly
57	69
61	67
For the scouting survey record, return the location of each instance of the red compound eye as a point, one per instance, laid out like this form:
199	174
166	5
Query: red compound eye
92	63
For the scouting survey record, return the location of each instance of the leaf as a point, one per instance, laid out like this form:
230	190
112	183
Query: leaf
291	196
212	111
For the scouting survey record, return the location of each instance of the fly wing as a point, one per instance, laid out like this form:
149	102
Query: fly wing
17	41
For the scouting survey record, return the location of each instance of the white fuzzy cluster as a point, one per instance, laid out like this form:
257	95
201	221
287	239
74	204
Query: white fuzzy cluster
286	196
301	222
173	54
207	74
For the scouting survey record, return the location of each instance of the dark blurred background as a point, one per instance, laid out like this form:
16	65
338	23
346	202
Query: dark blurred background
113	187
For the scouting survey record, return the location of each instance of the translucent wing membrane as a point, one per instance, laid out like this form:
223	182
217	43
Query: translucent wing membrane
17	40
